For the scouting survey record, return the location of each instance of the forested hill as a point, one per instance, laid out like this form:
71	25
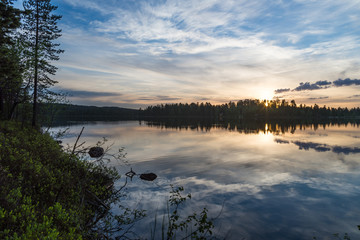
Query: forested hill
243	109
250	109
71	112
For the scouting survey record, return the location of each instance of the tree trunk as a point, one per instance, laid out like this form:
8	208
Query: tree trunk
12	110
37	16
2	114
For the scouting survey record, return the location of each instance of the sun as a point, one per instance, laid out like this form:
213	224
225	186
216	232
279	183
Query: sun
265	95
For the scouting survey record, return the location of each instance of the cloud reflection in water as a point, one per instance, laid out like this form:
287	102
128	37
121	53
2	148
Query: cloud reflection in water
270	187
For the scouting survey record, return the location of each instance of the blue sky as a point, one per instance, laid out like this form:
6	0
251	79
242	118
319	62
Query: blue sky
135	53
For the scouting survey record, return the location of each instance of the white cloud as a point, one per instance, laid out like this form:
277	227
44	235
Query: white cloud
222	49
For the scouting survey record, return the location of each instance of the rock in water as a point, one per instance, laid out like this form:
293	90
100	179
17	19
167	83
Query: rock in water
96	152
148	176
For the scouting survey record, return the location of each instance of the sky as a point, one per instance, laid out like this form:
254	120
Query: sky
136	53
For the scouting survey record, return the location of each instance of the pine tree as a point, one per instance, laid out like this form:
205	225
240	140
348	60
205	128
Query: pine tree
9	68
40	28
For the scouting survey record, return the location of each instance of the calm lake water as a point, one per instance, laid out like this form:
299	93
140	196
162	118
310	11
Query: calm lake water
266	182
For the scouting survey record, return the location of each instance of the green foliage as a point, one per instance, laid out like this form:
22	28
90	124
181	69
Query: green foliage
27	52
10	71
47	193
40	30
9	20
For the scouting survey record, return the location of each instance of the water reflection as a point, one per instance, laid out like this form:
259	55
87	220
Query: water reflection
276	181
250	126
324	148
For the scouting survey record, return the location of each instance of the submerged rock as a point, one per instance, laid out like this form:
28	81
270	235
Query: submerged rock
148	176
96	152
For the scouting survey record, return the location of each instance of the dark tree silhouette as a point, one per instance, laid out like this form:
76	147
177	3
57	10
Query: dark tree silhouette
249	109
9	67
40	31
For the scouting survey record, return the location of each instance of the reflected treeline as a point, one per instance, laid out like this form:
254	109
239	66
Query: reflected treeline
248	127
319	147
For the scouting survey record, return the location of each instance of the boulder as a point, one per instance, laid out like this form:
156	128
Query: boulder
96	152
148	176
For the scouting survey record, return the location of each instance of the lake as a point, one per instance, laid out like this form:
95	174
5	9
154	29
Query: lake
260	181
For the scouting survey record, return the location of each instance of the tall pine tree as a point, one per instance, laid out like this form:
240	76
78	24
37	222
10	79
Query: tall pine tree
40	28
9	68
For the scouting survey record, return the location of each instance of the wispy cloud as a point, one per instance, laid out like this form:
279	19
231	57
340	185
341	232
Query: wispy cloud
207	49
88	94
281	141
282	90
317	98
355	96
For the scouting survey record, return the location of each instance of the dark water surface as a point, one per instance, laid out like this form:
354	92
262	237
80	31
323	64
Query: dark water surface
269	181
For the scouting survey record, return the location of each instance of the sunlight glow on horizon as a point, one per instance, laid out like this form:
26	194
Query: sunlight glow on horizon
139	53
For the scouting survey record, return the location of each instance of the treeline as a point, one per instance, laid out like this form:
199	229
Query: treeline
249	109
55	112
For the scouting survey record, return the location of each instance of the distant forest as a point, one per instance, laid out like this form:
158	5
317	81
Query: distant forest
250	109
55	112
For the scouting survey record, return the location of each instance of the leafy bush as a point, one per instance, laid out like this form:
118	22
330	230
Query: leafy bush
47	193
